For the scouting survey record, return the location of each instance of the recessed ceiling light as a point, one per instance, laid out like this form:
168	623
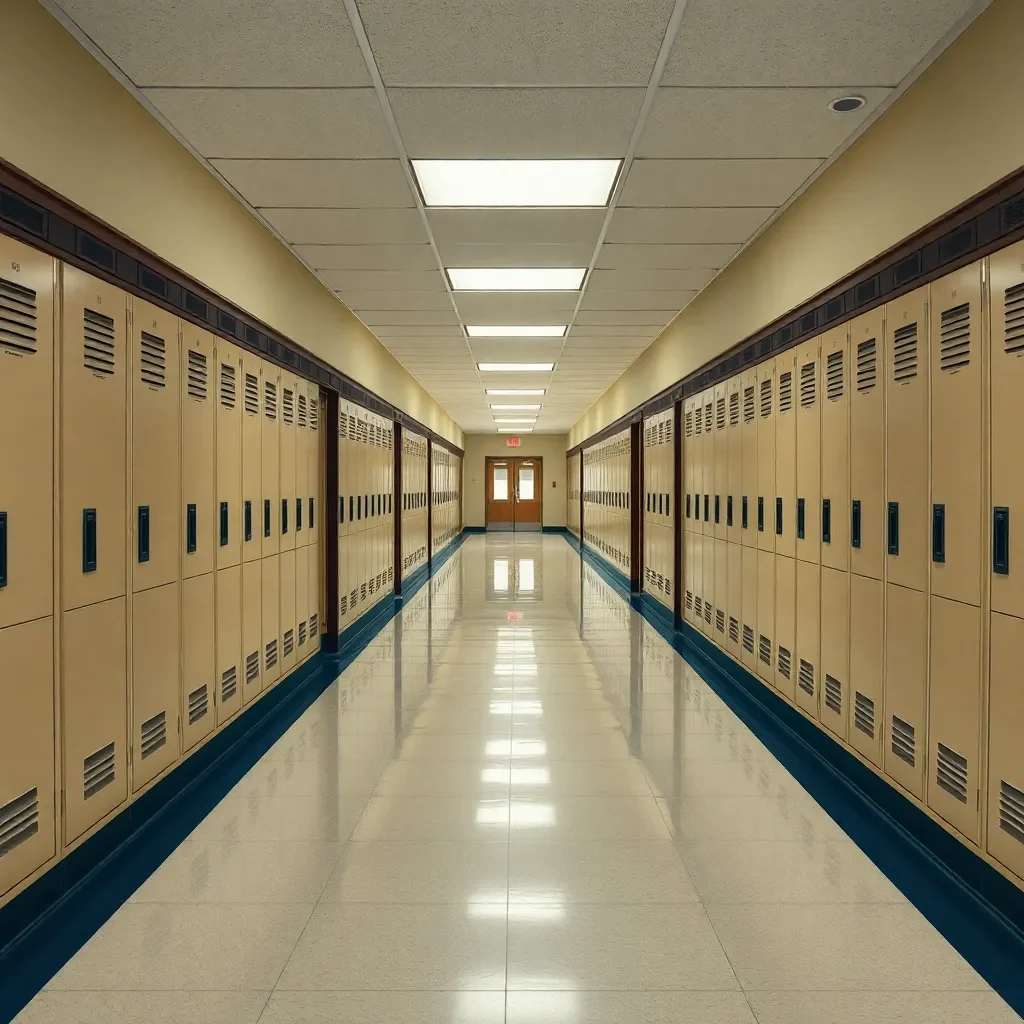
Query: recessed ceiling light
514	408
515	367
515	391
515	430
503	419
844	104
516	279
524	331
516	182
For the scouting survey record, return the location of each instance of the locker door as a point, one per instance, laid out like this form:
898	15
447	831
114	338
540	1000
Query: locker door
197	540
270	482
721	592
956	378
687	456
313	598
301	493
1006	726
253	513
808	651
907	524
95	714
748	631
835	458
287	456
688	560
155	653
155	506
745	512
707	461
252	629
27	782
807	513
733	518
1007	370
786	663
867	512
954	713
906	675
721	490
229	454
866	664
26	468
302	647
762	515
271	615
314	510
766	616
781	518
708	563
287	605
698	581
229	642
93	441
735	605
199	660
835	649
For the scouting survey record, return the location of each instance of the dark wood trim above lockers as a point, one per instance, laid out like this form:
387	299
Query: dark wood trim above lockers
991	220
38	216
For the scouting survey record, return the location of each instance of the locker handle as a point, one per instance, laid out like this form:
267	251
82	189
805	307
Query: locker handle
298	514
311	513
1000	541
801	518
143	533
894	527
351	508
248	521
718	509
648	501
3	549
855	523
744	518
341	509
266	517
826	520
89	552
728	510
359	506
668	504
707	506
778	516
760	515
938	533
660	513
223	524
284	515
191	530
687	506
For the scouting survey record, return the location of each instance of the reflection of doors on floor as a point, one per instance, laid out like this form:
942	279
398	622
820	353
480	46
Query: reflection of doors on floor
513	498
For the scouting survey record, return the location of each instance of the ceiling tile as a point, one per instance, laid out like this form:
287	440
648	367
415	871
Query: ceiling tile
368	257
597	298
358	299
452	227
485	254
415	332
712	224
749	123
625	317
227	43
383	318
346	227
734	42
627	256
385	280
650	280
598	331
277	123
515	42
516	307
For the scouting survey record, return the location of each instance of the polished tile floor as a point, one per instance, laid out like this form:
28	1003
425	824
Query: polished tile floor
518	805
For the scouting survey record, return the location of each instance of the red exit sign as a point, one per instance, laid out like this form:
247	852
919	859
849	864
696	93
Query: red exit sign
512	442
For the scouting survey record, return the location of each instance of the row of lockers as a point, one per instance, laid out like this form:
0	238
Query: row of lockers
446	496
414	502
658	492
605	502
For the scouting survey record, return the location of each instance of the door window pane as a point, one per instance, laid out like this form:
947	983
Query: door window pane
526	483
501	483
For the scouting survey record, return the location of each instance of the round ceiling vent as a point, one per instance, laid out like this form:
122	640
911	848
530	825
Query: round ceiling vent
844	104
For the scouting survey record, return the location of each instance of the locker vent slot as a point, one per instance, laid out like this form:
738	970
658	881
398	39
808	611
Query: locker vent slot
270	655
302	410
153	361
313	404
707	612
764	650
228	684
698	421
314	626
785	662
808	384
904	354
288	406
17	334
786	392
197	376
99	343
707	419
955	338
951	772
252	667
270	400
834	376
864	714
720	414
734	408
19	820
903	745
766	399
698	607
198	704
98	770
302	632
689	424
1013	318
227	386
867	365
748	640
689	600
806	675
833	694
154	734
252	394
734	630
1011	812
720	621
289	638
748	404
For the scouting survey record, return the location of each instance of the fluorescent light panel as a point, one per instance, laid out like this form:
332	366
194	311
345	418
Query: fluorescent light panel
502	419
522	331
514	408
537	392
515	367
516	182
516	279
515	430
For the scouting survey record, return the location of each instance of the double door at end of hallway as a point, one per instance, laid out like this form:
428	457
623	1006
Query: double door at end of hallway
513	495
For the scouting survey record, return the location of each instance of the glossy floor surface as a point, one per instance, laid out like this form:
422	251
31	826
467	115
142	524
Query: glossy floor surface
518	804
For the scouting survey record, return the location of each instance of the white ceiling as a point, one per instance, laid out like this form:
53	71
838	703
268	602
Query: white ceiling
311	109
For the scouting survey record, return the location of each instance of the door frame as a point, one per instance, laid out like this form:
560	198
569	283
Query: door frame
538	459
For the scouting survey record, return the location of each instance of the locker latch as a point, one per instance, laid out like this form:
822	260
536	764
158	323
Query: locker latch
284	515
855	523
143	533
687	506
89	552
938	533
778	516
1000	541
894	528
718	509
743	512
760	515
3	549
248	521
311	513
707	507
298	514
223	524
191	530
801	516
728	511
826	520
266	517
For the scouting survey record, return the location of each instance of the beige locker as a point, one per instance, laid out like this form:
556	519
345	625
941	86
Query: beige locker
155	675
957	373
721	443
229	454
271	615
26	468
721	623
27	783
301	462
93	441
866	666
198	660
314	598
835	456
1006	726
766	616
746	512
785	625
748	625
1007	377
270	482
734	556
94	706
252	458
807	661
733	498
287	455
906	520
781	518
906	678
687	574
954	715
834	691
314	503
302	647
229	642
708	553
762	515
199	536
287	629
707	462
807	512
252	629
346	427
685	468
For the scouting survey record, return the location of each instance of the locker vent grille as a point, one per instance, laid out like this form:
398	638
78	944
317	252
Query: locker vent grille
707	612
252	394
748	404
707	419
17	327
903	745
806	676
98	770
344	604
689	600
227	386
786	391
1011	812
734	630
904	354
1013	318
748	640
808	384
19	820
314	626
154	734
720	414
866	365
864	714
698	607
289	641
270	401
302	410
720	621
197	376
951	772
153	361
689	424
955	338
252	667
313	406
766	398
302	632
834	376
785	662
288	407
698	424
198	704
99	343
734	408
833	694
228	684
764	650
270	655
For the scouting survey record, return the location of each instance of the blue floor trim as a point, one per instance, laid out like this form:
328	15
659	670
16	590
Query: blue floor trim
978	911
474	529
554	529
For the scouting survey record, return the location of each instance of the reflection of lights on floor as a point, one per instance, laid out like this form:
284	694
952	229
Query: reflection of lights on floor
530	777
516	748
516	912
518	814
516	707
515	670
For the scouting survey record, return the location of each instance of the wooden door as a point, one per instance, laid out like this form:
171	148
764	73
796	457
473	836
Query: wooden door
500	494
527	493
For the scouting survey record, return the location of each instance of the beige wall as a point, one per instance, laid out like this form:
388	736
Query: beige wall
946	139
71	126
549	447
